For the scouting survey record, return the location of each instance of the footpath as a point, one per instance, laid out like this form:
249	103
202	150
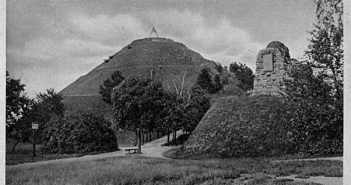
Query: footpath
155	149
151	149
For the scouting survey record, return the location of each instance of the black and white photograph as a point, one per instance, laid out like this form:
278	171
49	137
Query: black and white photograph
174	92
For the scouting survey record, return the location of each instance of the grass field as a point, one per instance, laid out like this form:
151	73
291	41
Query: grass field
141	170
24	154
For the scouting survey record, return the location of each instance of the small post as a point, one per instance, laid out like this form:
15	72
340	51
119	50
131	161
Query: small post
34	128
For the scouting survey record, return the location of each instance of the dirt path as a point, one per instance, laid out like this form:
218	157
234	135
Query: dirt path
312	159
315	179
151	149
154	149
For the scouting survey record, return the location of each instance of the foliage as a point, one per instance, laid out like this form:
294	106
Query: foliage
326	44
77	132
173	116
178	141
16	101
139	104
108	84
317	126
195	108
316	86
18	107
219	68
246	126
21	130
204	80
316	129
45	107
304	85
217	86
266	126
244	74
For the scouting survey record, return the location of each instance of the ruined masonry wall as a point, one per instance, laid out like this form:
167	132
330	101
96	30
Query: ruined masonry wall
271	81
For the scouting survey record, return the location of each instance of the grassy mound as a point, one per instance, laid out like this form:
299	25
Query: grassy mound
172	63
245	126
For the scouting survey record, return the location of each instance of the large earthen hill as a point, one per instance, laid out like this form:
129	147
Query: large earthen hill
175	65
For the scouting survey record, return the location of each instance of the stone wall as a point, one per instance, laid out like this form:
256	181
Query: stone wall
271	69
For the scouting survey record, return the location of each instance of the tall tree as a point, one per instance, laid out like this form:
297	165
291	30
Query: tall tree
17	107
107	86
138	103
217	83
195	107
46	106
244	75
16	101
204	80
304	85
317	85
326	44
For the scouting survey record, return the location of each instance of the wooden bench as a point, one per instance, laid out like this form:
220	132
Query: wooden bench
131	150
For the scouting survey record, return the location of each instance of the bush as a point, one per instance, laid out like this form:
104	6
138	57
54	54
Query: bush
178	141
249	126
77	132
268	126
317	129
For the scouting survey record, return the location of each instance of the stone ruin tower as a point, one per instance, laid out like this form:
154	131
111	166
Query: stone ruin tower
271	69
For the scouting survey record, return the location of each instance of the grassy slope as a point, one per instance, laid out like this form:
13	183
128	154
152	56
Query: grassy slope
140	170
143	57
235	125
169	62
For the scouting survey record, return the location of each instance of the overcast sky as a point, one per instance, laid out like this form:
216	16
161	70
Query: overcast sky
50	43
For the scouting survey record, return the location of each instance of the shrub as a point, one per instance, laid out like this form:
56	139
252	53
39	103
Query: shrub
317	129
77	132
249	126
266	126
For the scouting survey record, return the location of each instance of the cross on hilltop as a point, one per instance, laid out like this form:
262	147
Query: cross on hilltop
153	31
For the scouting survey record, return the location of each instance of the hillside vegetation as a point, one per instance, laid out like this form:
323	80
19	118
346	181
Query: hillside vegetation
172	63
243	126
266	126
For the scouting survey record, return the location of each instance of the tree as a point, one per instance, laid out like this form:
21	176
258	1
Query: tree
195	107
325	50
204	80
304	85
46	105
317	85
17	107
106	89
16	101
138	104
21	130
244	75
217	83
219	67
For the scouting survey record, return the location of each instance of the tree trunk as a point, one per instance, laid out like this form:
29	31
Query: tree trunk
136	138
168	137
139	140
14	146
175	135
